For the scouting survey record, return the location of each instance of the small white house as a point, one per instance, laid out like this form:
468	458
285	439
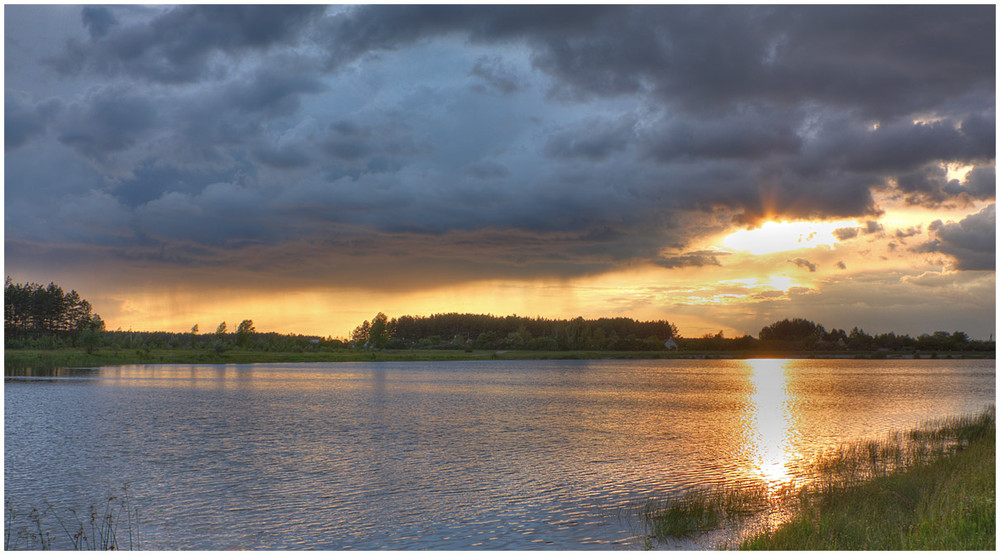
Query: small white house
670	344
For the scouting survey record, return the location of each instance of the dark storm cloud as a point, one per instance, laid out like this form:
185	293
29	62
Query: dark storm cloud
707	58
971	241
98	20
111	119
745	134
897	146
929	186
696	259
495	75
24	120
592	139
150	181
175	46
980	183
613	133
785	191
487	170
351	142
282	157
273	91
363	29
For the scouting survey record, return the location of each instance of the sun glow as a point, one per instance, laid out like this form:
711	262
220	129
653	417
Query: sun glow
784	236
957	171
781	283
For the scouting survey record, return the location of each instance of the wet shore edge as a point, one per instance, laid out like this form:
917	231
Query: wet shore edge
930	488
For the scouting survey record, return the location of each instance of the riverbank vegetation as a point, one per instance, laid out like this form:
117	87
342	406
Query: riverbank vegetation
930	488
44	326
18	361
110	526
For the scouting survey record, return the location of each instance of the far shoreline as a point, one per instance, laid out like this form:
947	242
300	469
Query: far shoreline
15	359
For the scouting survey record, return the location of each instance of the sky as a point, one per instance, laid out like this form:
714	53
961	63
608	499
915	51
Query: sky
719	167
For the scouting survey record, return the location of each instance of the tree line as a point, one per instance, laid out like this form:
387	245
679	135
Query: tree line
798	334
479	331
47	317
33	311
245	337
485	331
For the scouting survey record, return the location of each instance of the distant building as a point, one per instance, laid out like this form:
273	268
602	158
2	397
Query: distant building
670	344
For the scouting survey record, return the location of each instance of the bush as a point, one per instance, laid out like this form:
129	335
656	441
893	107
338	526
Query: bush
543	344
219	346
90	340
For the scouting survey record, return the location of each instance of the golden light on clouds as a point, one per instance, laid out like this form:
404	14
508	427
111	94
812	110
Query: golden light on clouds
784	236
774	282
734	282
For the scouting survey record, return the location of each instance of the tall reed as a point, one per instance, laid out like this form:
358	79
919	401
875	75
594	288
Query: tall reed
113	525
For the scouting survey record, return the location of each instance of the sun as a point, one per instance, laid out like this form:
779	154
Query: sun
785	236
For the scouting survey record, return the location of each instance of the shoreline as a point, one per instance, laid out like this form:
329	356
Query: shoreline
928	488
61	358
948	504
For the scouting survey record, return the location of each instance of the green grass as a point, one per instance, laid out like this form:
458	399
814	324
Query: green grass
27	358
930	488
949	503
55	358
704	510
69	357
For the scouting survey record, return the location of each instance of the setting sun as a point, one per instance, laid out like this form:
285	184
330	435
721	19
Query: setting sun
784	236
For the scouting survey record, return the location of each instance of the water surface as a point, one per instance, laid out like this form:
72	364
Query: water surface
443	455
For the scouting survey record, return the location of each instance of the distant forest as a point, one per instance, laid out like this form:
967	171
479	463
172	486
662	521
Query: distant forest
46	317
454	331
479	331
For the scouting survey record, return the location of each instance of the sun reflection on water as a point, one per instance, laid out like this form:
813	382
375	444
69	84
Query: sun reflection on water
770	402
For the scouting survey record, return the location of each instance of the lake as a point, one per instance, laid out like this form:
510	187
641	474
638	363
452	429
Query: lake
443	455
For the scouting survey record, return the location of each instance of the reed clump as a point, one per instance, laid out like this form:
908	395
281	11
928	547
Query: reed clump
929	488
111	526
703	510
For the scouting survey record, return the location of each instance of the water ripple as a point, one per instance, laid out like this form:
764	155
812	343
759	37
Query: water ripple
461	456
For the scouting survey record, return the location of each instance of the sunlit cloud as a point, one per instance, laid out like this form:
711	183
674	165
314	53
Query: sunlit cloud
778	282
958	171
774	237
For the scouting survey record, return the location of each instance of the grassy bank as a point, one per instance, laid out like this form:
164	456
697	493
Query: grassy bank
56	358
78	357
947	504
930	488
